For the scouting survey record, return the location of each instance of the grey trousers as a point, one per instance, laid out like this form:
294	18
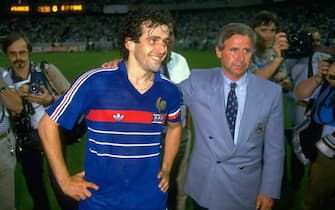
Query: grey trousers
321	185
7	172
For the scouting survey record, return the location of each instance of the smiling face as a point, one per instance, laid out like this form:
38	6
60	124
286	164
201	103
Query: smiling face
151	49
235	56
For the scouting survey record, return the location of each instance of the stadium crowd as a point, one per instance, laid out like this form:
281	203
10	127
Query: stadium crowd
195	28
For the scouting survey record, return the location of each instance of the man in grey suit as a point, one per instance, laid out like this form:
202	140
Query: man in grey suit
236	166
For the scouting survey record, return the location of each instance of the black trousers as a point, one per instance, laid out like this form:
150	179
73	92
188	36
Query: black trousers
65	202
32	164
32	167
196	206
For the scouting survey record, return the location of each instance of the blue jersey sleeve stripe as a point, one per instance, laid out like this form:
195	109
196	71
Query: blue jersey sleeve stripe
174	115
59	110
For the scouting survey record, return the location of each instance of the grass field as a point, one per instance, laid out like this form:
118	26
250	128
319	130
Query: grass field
72	64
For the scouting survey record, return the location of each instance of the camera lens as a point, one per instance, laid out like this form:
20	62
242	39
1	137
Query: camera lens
331	60
294	37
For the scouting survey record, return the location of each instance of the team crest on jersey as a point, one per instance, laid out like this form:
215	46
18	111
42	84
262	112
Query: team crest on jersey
118	117
160	104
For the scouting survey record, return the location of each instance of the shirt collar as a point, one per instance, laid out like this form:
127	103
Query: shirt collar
242	82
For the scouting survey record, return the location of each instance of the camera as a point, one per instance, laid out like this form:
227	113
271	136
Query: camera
331	60
35	88
300	45
326	145
44	65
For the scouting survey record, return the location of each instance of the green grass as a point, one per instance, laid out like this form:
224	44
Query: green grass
72	64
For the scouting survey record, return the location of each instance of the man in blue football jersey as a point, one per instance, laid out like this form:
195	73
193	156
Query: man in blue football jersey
125	109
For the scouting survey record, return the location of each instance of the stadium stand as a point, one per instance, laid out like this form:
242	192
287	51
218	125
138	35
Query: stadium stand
195	27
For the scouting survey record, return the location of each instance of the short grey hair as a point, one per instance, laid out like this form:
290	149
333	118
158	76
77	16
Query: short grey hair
231	29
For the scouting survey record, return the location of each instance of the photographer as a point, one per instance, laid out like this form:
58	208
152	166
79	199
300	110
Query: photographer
305	66
267	61
302	67
321	186
37	92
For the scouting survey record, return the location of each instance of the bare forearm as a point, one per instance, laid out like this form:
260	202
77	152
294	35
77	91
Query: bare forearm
269	70
12	100
305	88
172	142
49	134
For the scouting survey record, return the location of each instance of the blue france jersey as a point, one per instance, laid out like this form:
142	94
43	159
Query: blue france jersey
123	138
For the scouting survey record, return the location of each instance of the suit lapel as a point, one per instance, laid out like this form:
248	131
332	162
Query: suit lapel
253	100
218	110
217	97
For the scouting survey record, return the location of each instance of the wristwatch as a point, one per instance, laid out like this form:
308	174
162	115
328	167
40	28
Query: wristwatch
3	88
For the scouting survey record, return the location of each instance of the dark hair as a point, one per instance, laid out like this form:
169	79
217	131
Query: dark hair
234	28
132	25
13	37
264	18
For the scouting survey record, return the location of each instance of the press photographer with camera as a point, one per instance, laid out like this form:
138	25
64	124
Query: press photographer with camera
303	58
267	61
320	185
37	91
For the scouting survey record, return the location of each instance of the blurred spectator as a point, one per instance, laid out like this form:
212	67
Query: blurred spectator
9	101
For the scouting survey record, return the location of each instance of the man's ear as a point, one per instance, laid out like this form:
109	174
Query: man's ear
218	52
129	44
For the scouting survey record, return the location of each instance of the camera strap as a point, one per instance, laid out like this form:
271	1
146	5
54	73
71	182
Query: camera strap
310	67
2	112
51	86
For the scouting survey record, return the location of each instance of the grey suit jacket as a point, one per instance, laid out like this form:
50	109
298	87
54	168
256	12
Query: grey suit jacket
222	175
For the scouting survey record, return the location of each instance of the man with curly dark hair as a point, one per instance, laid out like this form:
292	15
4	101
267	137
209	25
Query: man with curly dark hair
125	110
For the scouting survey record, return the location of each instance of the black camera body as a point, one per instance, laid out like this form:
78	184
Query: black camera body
301	45
35	88
331	60
36	82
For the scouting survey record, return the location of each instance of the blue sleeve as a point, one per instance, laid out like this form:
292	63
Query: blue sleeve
73	103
